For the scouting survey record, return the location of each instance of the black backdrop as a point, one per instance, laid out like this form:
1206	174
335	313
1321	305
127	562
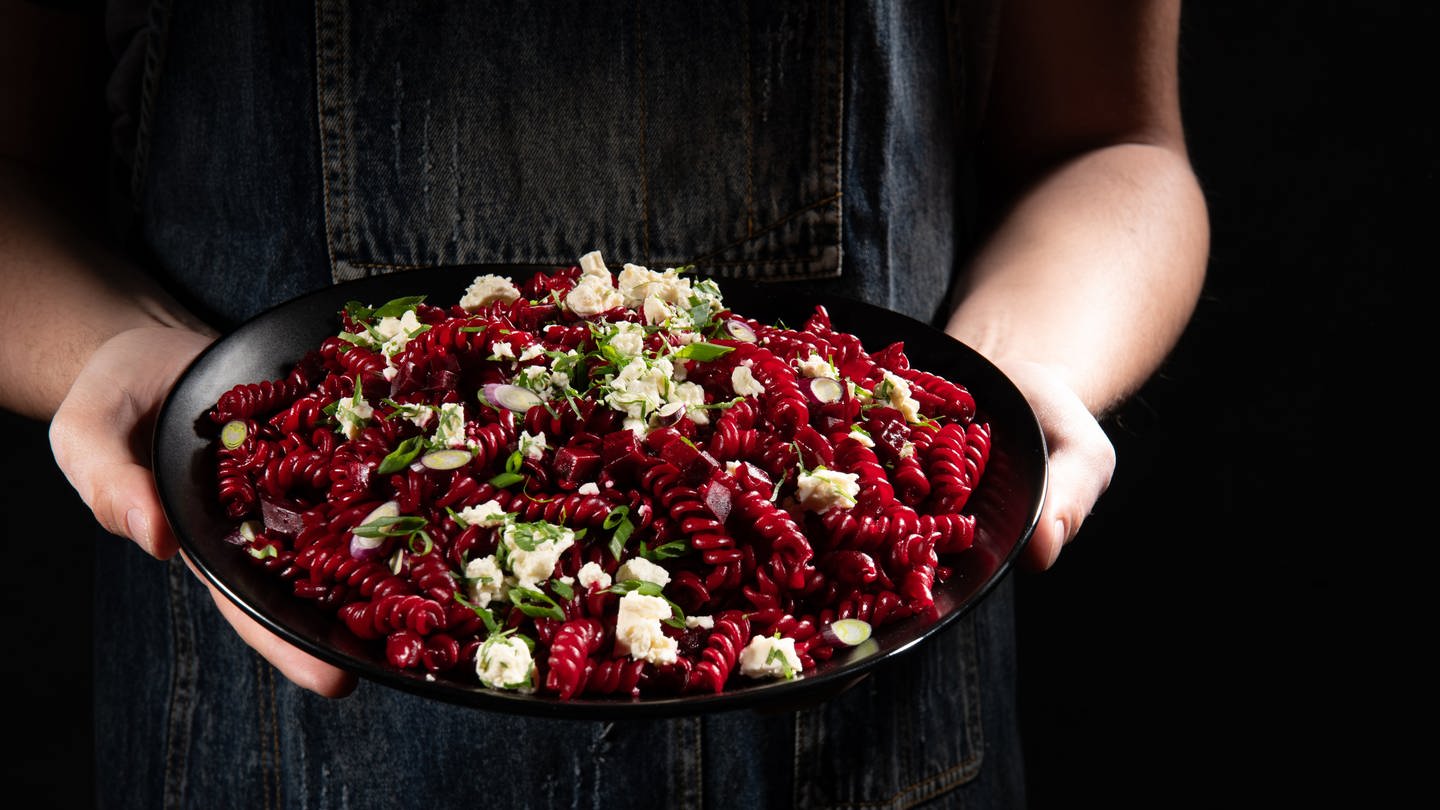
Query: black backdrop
1206	638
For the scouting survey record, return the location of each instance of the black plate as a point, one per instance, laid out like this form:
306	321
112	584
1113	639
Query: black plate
1006	504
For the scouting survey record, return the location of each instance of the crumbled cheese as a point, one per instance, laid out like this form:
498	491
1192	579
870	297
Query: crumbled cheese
489	513
487	581
703	622
692	396
897	391
817	366
592	265
592	295
639	388
592	575
643	570
450	428
821	489
531	352
396	332
770	657
638	631
858	434
744	382
589	488
532	567
501	350
532	447
628	339
656	312
488	289
352	414
504	662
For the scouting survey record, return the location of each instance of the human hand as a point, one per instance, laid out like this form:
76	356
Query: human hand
101	437
1081	463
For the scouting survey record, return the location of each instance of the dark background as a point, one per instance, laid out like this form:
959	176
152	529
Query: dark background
1211	635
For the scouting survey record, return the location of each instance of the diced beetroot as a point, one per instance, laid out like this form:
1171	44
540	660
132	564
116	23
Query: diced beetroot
887	427
621	453
695	465
574	465
717	495
753	479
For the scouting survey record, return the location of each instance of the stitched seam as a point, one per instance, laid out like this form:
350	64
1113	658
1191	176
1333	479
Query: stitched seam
771	227
158	36
747	83
696	762
181	689
274	733
644	167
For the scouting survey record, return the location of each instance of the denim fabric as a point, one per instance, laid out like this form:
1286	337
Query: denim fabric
287	147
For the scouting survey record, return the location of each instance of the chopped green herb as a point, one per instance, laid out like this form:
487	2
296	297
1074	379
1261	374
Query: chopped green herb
400	458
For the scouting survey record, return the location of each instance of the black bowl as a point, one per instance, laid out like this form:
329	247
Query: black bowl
1006	505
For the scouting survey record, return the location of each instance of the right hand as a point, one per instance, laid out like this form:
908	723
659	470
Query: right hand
101	437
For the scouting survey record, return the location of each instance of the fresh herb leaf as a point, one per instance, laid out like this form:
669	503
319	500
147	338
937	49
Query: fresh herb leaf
535	604
619	520
391	526
703	352
670	550
562	589
400	458
485	615
396	307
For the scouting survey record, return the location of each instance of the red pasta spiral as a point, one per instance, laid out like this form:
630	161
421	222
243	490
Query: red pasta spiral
708	491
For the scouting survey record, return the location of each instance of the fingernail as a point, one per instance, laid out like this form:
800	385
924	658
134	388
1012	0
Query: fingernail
138	526
1061	531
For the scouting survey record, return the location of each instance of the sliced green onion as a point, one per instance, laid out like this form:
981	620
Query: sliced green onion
233	434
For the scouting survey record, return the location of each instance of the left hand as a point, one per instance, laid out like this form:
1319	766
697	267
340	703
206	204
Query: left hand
1081	459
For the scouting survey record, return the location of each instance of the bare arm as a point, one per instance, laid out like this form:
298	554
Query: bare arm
87	341
1093	270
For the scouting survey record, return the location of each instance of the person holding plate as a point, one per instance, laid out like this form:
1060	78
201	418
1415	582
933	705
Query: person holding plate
1013	172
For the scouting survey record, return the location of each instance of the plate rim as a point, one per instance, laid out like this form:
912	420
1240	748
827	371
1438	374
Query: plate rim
776	693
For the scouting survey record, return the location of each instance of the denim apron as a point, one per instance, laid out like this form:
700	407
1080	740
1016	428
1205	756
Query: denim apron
281	146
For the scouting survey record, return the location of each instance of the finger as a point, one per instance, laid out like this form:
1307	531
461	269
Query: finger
103	469
298	666
100	433
1079	474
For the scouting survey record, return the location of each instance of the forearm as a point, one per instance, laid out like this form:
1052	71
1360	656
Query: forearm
65	295
1094	271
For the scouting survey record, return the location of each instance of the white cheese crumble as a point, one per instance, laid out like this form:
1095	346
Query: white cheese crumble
532	447
589	488
821	489
704	622
502	350
450	427
638	631
643	570
591	574
486	290
487	581
770	657
396	332
504	662
533	566
897	391
352	414
592	295
858	434
817	366
592	265
489	513
744	382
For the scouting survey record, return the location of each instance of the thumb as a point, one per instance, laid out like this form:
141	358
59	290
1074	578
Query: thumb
100	435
